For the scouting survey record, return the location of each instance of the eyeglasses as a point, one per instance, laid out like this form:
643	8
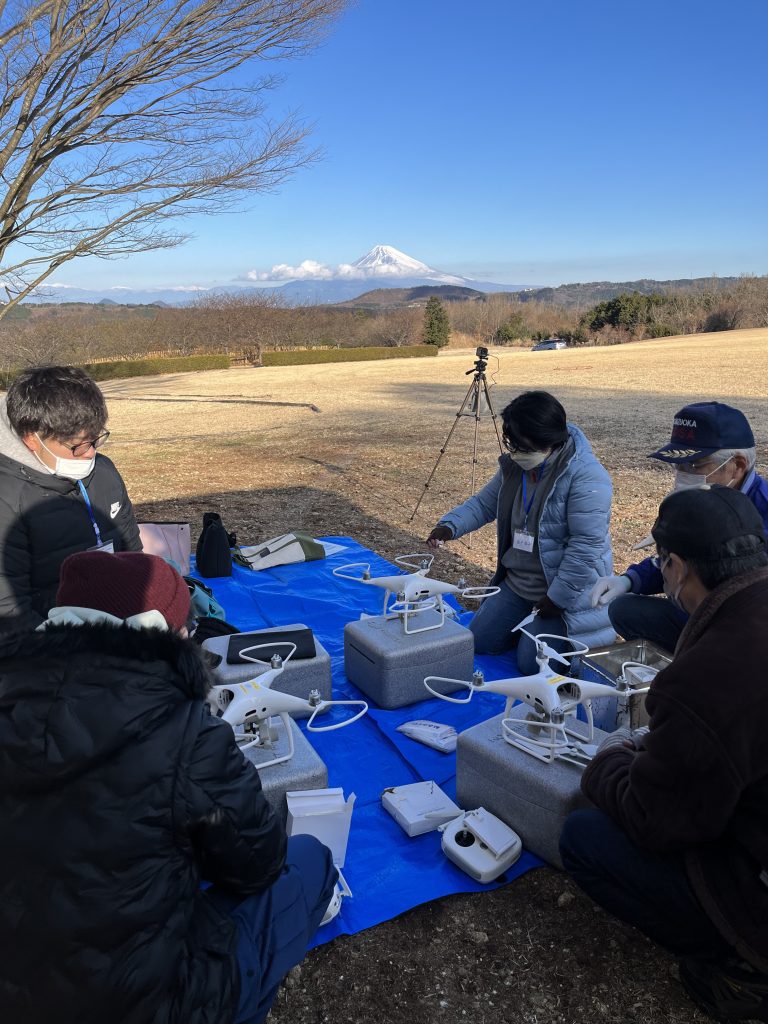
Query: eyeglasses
83	446
515	449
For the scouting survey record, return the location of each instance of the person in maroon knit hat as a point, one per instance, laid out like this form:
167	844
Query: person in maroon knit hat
127	585
120	793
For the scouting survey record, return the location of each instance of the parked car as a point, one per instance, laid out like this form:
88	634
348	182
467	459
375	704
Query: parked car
549	344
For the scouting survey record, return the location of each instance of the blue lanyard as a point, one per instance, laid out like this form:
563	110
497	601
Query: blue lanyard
87	501
527	506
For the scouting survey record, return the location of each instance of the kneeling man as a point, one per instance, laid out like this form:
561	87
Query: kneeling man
678	842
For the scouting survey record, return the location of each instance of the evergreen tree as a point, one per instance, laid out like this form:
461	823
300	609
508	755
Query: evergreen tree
437	329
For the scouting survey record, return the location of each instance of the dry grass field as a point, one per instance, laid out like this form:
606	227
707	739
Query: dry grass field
345	449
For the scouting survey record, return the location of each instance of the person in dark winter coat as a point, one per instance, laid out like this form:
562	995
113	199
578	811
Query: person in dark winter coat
711	443
119	794
678	844
58	494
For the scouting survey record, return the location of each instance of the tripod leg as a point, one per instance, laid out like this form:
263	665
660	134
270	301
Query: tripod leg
476	385
470	390
489	400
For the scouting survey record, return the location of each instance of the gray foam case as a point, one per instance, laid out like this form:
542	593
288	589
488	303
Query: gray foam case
305	770
389	665
530	796
298	677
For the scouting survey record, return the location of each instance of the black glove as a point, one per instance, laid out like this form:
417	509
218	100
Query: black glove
439	535
547	608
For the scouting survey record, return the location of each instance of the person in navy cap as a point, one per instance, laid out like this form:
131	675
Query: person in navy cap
711	443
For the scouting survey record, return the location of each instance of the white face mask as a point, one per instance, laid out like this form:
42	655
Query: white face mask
529	460
70	469
685	480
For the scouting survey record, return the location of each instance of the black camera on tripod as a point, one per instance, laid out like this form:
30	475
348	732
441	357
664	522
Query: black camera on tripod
481	362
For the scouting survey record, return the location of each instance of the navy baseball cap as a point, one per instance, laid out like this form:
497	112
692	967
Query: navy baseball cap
699	520
703	428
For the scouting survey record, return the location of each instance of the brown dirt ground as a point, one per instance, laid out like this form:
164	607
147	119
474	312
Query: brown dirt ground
345	449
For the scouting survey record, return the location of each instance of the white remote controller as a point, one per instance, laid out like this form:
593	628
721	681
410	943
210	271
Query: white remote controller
481	844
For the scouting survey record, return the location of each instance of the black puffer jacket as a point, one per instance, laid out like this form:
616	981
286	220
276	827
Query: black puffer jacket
43	518
118	793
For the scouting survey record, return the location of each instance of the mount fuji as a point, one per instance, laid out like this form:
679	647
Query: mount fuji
382	267
311	282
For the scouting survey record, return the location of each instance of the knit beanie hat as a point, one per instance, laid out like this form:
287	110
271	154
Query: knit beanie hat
124	584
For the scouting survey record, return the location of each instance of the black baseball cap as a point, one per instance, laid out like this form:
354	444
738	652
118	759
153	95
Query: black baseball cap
697	521
704	428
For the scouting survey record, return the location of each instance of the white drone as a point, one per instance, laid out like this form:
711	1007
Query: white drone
553	698
250	706
413	592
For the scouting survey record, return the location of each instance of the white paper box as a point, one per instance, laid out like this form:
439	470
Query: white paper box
324	814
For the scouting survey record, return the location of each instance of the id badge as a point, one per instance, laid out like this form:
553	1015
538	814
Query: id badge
522	541
108	548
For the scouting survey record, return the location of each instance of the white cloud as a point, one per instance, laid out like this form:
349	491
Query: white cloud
283	272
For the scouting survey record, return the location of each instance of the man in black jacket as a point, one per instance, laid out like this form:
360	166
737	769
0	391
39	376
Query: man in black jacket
58	494
678	844
119	794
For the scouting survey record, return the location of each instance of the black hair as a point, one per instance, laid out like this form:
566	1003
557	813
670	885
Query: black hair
535	419
732	558
55	401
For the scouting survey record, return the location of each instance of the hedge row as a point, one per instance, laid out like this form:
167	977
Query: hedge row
294	357
150	367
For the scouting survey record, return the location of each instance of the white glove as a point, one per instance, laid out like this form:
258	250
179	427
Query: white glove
608	587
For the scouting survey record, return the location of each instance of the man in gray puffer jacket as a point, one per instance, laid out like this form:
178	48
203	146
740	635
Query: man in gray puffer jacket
551	500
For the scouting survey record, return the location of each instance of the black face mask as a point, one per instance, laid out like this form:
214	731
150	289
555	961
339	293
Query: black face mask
673	594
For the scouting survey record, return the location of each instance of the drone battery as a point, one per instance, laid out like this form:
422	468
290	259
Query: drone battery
532	797
419	807
305	770
297	678
389	665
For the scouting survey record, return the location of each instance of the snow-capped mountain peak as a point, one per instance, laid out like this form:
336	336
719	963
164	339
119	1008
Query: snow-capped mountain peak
387	256
386	261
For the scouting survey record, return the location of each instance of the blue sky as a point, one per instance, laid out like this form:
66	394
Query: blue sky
520	143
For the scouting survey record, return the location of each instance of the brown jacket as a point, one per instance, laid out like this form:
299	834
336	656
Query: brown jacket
700	785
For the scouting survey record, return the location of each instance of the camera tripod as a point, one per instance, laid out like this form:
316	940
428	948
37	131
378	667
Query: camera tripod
477	402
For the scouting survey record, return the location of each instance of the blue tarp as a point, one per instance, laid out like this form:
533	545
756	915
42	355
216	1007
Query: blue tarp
387	871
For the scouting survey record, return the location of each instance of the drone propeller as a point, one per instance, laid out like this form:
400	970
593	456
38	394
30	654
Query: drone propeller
544	648
550	652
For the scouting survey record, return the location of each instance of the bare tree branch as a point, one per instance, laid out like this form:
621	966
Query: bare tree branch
120	115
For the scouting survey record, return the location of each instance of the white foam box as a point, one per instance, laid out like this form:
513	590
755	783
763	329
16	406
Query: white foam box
297	678
532	797
419	807
305	771
389	665
324	814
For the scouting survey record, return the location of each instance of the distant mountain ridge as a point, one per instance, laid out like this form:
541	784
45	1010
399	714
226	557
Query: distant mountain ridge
387	298
590	293
383	266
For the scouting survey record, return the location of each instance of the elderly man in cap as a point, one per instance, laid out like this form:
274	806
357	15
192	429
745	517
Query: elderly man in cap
711	443
119	794
677	842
